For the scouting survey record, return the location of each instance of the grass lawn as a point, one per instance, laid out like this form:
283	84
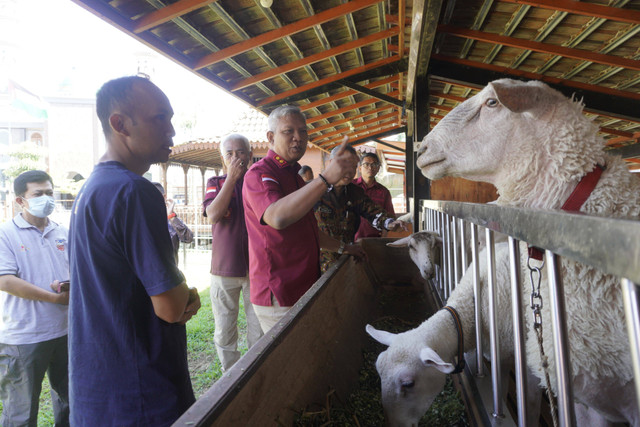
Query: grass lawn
204	365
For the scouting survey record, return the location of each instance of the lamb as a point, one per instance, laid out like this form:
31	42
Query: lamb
424	250
414	367
534	145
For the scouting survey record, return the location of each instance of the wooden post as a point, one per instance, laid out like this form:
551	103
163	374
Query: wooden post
204	189
185	168
163	179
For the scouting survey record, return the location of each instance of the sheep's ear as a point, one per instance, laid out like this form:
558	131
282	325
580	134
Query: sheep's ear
518	96
383	337
430	358
400	243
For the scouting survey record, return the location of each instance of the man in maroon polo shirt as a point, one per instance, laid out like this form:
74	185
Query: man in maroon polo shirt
229	251
369	167
284	241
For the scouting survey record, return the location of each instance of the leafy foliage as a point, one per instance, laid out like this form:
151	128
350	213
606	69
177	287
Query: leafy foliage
23	157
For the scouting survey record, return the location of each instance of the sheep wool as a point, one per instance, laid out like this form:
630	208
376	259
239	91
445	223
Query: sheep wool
535	145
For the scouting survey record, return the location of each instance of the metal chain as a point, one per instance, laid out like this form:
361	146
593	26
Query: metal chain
535	277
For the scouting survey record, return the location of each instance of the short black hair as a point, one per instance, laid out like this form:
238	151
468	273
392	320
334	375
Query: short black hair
159	186
372	155
114	94
20	183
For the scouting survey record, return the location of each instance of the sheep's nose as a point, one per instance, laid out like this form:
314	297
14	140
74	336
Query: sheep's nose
423	146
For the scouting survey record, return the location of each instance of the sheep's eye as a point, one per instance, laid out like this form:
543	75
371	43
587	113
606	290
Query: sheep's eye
408	384
491	102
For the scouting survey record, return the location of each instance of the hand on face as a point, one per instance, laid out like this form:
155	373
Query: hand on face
342	167
236	168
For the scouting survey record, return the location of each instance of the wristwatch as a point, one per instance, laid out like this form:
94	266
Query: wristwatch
341	248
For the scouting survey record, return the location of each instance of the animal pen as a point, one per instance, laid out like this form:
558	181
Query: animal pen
610	245
316	349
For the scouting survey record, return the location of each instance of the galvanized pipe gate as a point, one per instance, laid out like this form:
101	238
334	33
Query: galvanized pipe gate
610	245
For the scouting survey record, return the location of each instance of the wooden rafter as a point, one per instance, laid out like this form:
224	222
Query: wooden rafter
346	109
349	119
372	93
582	8
361	125
324	81
284	31
168	13
371	132
614	141
541	77
346	93
423	32
320	56
580	54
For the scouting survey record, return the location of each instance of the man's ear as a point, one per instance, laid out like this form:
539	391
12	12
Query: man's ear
270	135
116	120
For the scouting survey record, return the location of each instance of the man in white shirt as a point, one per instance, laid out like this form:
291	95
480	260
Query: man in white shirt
34	264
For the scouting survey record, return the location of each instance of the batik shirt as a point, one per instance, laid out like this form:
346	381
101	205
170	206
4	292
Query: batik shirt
338	214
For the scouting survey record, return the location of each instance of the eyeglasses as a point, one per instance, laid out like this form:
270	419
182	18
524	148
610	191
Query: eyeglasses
371	165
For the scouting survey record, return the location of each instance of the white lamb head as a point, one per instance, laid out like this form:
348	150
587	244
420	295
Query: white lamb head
412	375
505	126
424	250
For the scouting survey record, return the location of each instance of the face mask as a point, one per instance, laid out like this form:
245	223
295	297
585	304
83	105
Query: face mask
42	206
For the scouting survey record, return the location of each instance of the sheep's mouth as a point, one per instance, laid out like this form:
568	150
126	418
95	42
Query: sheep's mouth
425	164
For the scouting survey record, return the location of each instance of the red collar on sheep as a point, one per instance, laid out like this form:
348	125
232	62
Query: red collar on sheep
456	318
575	201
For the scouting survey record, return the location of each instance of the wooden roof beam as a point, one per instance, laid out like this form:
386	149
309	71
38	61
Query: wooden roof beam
466	72
287	30
462	99
360	125
588	9
379	141
425	16
388	132
614	141
580	54
346	93
324	81
349	119
320	56
168	13
346	109
368	135
372	93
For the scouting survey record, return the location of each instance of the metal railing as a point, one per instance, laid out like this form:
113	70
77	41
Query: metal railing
609	245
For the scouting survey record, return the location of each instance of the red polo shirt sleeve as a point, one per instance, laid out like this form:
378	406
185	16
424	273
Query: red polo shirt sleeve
261	189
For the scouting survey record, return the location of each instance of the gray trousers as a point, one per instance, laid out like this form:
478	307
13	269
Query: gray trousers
225	303
22	369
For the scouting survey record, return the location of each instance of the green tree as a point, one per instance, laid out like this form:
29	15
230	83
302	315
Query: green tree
23	157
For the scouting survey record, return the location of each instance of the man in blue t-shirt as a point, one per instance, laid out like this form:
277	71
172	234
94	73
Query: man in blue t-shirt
129	304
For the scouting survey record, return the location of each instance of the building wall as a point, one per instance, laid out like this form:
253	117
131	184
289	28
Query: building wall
74	137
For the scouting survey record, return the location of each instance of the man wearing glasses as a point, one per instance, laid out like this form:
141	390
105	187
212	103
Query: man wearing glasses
369	167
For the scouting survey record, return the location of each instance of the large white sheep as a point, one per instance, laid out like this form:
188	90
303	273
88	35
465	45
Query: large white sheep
535	145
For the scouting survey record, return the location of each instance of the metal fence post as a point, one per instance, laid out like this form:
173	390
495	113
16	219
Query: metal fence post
496	375
631	299
476	293
519	355
566	415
